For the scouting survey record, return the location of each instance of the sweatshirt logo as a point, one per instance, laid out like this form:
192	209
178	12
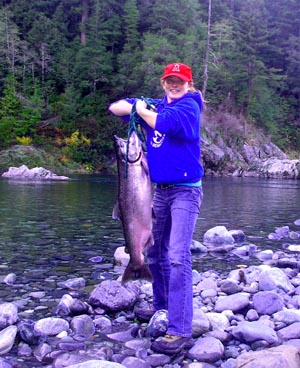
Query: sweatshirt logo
157	139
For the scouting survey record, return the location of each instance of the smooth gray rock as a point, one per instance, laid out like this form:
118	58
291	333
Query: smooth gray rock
4	364
287	316
133	362
275	168
200	323
280	356
267	302
10	279
207	349
97	364
77	283
69	306
253	331
158	324
290	332
7	339
233	302
218	321
8	314
217	235
36	173
230	287
103	324
274	278
83	327
113	296
51	326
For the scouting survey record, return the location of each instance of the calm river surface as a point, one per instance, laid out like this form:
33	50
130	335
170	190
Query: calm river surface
53	229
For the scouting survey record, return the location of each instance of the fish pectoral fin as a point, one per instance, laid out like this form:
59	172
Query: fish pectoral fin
116	214
150	241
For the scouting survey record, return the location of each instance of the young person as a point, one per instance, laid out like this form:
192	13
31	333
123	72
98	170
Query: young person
173	152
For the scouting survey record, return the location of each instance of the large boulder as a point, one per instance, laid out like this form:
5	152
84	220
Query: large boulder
283	356
274	168
113	296
36	173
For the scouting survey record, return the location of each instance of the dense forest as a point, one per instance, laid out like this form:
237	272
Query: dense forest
63	61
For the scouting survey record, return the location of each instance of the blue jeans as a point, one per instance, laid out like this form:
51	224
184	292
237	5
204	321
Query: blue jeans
176	211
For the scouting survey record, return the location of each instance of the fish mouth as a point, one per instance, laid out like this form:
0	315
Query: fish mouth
132	161
127	154
118	139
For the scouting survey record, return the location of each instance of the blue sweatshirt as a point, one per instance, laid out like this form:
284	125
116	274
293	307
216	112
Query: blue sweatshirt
173	148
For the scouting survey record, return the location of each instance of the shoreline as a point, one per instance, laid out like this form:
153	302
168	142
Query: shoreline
246	310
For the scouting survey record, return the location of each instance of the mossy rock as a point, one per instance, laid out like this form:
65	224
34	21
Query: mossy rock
36	157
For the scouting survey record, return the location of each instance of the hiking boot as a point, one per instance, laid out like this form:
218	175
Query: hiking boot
171	344
144	314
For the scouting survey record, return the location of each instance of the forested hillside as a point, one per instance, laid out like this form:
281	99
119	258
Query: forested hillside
63	61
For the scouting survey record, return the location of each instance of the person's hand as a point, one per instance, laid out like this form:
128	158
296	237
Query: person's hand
140	106
148	116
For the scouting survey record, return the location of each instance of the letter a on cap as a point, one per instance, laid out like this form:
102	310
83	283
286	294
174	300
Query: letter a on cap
176	68
179	70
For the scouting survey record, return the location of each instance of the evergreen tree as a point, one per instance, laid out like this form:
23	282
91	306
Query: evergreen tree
222	58
131	54
10	108
85	53
10	42
251	34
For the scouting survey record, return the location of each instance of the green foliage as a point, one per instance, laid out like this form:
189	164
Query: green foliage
263	111
48	74
9	109
6	131
30	115
24	141
77	147
9	104
131	21
17	120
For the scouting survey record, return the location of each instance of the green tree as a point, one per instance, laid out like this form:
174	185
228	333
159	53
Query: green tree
30	115
10	108
10	43
222	57
85	53
131	53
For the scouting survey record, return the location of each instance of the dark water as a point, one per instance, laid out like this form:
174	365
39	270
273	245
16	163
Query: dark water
52	229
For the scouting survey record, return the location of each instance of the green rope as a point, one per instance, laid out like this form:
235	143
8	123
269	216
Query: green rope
135	125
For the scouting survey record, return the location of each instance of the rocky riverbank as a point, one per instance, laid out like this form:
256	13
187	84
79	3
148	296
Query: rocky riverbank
31	156
228	147
231	147
248	317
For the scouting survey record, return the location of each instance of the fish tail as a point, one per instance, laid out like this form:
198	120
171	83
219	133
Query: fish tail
132	273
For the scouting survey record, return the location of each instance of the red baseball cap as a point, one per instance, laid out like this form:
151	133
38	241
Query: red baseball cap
179	70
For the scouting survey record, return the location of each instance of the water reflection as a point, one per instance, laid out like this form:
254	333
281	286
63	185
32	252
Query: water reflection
256	206
58	226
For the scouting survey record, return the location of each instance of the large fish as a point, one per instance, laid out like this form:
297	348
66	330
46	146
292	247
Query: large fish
134	205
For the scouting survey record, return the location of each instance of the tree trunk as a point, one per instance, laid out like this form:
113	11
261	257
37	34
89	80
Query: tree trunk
84	18
10	46
43	54
207	50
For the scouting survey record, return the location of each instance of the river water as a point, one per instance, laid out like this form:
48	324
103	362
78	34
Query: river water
54	230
